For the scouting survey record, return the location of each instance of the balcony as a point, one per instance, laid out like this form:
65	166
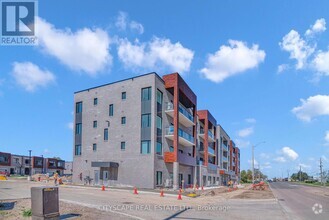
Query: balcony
225	147
211	137
211	152
212	166
184	138
224	159
182	158
185	117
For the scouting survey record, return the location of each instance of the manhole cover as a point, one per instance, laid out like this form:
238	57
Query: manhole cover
127	203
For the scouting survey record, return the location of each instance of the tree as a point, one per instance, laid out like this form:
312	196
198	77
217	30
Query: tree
296	176
246	176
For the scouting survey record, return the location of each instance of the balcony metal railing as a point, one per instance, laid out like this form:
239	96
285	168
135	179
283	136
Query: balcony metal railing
181	109
225	147
224	159
181	133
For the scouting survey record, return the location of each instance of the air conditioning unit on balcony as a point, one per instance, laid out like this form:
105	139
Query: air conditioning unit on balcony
168	183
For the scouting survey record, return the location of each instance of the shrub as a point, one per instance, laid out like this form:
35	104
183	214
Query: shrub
27	213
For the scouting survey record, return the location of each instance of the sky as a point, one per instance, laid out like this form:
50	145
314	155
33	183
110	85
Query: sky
260	67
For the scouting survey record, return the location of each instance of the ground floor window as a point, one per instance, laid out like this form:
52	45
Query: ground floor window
158	178
189	179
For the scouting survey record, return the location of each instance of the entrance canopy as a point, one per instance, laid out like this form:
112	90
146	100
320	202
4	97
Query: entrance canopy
104	164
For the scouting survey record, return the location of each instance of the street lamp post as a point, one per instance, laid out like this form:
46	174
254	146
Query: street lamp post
42	164
253	160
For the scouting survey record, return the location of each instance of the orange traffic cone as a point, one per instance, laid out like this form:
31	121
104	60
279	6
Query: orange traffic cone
103	188
179	196
161	193
135	191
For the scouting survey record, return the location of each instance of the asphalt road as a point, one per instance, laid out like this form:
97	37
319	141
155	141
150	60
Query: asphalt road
302	202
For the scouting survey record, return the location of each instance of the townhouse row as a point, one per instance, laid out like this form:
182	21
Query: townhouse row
147	132
26	165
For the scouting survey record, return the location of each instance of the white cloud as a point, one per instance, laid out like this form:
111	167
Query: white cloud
30	76
255	162
264	156
304	166
297	47
289	153
280	159
326	138
246	132
321	62
312	107
282	68
251	120
123	22
241	143
84	50
156	54
46	151
266	165
318	27
70	125
231	60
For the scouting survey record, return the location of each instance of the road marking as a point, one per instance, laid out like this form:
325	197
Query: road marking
97	207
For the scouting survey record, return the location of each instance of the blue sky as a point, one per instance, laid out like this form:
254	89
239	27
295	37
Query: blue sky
260	67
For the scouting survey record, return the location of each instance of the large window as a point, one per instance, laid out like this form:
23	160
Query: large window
145	147
123	120
159	122
159	148
78	107
77	150
123	145
78	128
106	134
123	95
146	93
146	120
95	124
158	178
111	110
94	147
95	101
159	97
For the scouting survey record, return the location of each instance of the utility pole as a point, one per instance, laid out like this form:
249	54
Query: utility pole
288	171
30	159
321	172
252	162
300	173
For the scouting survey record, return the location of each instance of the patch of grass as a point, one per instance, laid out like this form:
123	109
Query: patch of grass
27	213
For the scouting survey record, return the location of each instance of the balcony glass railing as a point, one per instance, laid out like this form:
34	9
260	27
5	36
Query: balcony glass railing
210	150
210	134
224	159
181	133
225	147
181	109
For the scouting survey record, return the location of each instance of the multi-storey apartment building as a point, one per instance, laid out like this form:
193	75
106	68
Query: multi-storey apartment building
20	165
144	131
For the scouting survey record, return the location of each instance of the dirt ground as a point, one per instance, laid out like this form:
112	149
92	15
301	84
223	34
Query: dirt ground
240	193
13	210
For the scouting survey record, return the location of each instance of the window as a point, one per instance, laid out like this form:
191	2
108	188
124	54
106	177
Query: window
123	95
159	122
171	149
145	148
159	97
78	107
146	94
94	147
78	128
123	145
189	179
106	134
123	120
159	178
146	120
111	109
95	124
159	148
95	101
77	149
